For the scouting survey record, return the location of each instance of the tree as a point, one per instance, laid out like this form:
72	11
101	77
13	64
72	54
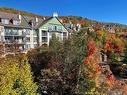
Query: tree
16	77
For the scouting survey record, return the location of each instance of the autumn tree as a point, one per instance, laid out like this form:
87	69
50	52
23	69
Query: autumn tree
16	77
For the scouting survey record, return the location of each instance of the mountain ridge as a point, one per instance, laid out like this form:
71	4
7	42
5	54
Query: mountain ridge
85	22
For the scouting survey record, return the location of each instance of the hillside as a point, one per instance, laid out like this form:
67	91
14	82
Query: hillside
11	10
74	19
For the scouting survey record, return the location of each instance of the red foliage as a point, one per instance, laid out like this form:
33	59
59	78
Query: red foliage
92	56
110	46
110	79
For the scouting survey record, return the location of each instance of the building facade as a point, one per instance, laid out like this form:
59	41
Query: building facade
20	33
52	27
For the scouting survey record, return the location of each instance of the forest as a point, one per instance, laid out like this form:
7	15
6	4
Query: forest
76	66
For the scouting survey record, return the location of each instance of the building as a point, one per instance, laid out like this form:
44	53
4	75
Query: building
19	33
49	27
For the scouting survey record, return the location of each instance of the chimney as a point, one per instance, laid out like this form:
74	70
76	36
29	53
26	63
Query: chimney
44	18
36	19
55	14
19	17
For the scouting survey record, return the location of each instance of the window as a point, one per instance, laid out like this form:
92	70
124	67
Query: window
7	40
15	32
34	33
16	39
27	32
54	28
44	39
6	30
5	21
50	27
35	39
27	39
28	46
64	34
35	45
59	28
16	22
44	33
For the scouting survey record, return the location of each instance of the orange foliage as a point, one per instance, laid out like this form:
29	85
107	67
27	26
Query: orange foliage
112	42
110	80
92	58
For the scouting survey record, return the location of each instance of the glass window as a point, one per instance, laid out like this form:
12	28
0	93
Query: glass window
35	39
35	45
16	22
44	33
54	28
50	27
64	34
28	46
15	32
34	32
27	32
59	28
5	21
44	39
6	30
7	40
27	39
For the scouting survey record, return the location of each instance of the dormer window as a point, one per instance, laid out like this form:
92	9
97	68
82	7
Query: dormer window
5	21
50	27
16	22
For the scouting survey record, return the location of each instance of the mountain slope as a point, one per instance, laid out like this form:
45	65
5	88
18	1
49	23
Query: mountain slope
74	19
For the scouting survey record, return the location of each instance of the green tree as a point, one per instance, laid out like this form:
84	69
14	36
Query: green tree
16	77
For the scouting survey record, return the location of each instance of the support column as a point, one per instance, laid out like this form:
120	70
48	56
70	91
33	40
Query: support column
40	37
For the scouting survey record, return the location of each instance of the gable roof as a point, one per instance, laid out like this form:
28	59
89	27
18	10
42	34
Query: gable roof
25	21
32	20
11	16
46	21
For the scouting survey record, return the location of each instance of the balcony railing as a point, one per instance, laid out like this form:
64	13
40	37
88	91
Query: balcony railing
44	34
55	30
14	42
44	40
14	34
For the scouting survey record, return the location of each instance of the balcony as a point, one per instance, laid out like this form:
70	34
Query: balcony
14	34
44	34
44	39
55	29
14	42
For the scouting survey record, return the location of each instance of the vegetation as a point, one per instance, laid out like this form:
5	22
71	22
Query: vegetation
73	66
16	77
11	10
74	19
84	64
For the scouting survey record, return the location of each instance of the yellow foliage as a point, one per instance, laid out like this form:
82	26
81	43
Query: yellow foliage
16	77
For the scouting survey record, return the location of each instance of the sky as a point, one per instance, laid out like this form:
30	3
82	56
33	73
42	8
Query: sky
100	10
